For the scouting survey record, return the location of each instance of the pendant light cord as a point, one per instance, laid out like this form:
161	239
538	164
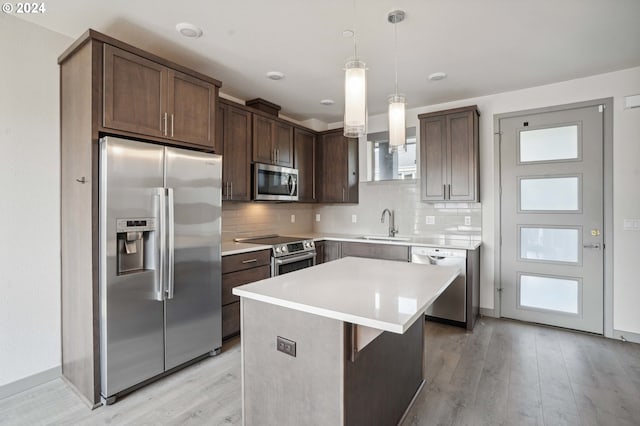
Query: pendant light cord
395	49
355	49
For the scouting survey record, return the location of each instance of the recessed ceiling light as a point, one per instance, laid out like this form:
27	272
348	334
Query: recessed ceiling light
347	33
437	76
327	102
189	30
275	75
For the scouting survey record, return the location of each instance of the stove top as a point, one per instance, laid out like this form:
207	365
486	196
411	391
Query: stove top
282	245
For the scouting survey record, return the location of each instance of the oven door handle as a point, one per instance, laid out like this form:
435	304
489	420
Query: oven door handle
280	261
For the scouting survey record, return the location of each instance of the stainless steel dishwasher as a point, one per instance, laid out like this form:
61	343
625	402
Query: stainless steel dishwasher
452	303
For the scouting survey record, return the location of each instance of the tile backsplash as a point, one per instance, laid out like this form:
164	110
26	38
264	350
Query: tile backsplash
410	212
251	219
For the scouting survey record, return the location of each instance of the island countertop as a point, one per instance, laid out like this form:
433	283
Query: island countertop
381	294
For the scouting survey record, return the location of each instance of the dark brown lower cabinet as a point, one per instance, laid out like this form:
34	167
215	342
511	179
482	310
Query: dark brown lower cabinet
240	269
375	251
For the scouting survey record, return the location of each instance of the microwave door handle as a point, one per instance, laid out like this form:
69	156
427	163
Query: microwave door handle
292	185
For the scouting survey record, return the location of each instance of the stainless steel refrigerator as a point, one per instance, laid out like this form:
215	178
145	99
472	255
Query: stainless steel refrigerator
160	274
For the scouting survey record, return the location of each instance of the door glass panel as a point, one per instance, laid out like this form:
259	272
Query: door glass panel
555	143
543	194
555	294
554	244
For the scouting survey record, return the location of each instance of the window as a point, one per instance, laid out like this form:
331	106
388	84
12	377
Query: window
397	165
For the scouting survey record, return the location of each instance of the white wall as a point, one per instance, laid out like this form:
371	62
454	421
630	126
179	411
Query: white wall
626	173
30	199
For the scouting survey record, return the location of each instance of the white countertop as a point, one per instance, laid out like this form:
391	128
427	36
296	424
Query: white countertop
443	241
381	294
452	241
231	247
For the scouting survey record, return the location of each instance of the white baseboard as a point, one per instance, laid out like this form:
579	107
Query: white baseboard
29	382
626	336
486	312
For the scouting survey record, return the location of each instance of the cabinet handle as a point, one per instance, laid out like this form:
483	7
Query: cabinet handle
277	155
444	191
171	125
231	185
226	190
343	191
165	124
448	191
249	260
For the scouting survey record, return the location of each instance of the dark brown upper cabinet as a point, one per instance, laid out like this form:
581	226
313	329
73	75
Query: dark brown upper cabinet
234	134
272	141
337	170
304	147
145	97
449	160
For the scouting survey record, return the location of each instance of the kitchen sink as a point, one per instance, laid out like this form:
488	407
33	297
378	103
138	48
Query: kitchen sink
384	238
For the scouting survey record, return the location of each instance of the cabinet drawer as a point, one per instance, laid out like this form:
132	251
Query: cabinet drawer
230	320
375	251
234	279
242	261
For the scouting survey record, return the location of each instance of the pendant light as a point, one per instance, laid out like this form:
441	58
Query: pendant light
355	93
397	127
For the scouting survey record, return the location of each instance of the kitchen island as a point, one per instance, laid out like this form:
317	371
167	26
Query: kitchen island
337	344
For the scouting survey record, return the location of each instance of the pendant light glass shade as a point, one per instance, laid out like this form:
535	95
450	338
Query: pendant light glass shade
397	129
355	99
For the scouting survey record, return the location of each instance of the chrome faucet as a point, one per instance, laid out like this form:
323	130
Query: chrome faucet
393	230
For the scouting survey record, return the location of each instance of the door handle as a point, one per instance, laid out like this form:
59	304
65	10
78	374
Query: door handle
160	244
292	185
591	246
170	222
165	124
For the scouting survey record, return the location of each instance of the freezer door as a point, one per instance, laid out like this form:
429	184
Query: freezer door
193	306
131	316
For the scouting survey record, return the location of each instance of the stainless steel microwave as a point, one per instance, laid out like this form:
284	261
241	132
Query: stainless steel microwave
274	183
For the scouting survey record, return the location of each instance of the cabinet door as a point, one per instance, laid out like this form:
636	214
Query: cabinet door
236	158
433	144
376	251
461	167
263	150
304	146
283	144
319	252
332	251
332	173
192	109
352	170
135	93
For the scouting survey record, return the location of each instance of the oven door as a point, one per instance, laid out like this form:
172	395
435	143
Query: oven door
286	264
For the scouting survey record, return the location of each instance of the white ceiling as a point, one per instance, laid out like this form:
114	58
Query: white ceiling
485	46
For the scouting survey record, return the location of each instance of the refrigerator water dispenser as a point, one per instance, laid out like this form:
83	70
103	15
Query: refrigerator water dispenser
135	236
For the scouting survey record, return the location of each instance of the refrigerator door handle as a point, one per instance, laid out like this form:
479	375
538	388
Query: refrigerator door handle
170	240
160	244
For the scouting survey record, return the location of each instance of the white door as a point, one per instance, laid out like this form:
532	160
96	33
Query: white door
552	218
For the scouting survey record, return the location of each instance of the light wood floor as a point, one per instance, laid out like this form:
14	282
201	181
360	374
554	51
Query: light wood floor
504	373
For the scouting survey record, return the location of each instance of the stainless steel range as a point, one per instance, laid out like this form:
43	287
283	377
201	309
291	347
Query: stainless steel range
288	254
